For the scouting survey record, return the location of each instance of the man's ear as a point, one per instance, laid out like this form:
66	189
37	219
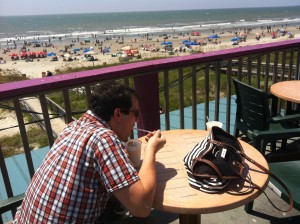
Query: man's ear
117	113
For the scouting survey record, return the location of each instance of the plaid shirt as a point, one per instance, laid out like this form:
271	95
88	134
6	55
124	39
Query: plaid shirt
87	162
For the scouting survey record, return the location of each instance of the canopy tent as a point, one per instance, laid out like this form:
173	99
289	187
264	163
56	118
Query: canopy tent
213	36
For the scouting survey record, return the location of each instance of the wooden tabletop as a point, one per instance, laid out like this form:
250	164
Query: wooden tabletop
287	90
173	193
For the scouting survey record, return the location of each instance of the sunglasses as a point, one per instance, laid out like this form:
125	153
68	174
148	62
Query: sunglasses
135	112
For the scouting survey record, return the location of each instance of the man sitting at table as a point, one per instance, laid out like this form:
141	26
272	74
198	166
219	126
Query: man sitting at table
88	162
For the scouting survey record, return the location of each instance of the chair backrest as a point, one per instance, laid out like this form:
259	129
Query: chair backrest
252	107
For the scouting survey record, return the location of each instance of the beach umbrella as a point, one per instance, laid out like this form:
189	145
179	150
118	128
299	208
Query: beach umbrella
185	41
213	36
50	54
235	39
23	54
13	54
32	53
76	49
90	52
67	55
86	50
196	33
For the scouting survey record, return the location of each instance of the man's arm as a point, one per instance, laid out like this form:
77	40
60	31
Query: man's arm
138	197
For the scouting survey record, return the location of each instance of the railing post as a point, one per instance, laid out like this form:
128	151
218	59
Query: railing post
148	89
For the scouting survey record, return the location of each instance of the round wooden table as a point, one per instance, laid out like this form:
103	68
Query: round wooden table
287	90
173	192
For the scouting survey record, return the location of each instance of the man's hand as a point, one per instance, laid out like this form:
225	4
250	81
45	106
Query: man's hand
156	140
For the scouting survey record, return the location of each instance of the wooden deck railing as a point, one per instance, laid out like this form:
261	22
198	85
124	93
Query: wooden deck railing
171	83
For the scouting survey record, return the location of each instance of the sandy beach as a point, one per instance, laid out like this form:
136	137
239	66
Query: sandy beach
148	47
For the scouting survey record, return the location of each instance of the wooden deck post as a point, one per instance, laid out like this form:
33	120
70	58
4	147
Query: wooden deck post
148	88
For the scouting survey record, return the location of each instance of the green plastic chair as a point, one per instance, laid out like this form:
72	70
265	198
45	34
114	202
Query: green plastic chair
256	120
289	173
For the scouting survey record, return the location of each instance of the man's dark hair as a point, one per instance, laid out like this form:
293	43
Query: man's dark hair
108	96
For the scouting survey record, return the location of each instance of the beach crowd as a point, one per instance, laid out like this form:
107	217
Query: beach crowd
34	57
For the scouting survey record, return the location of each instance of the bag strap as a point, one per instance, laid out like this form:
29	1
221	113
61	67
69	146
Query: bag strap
242	153
291	201
213	166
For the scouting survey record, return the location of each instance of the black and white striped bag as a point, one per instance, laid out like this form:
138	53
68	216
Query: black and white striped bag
218	159
214	161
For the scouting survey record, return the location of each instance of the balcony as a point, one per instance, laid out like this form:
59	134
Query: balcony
188	89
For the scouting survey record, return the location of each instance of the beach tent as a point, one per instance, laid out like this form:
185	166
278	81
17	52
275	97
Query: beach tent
189	43
235	39
76	49
167	43
213	36
86	50
50	54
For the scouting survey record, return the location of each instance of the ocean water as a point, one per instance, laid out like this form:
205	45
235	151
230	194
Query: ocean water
73	26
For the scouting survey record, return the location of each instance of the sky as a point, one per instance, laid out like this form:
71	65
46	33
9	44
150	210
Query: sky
43	7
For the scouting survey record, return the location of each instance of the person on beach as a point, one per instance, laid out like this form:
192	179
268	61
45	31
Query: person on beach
49	73
88	164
